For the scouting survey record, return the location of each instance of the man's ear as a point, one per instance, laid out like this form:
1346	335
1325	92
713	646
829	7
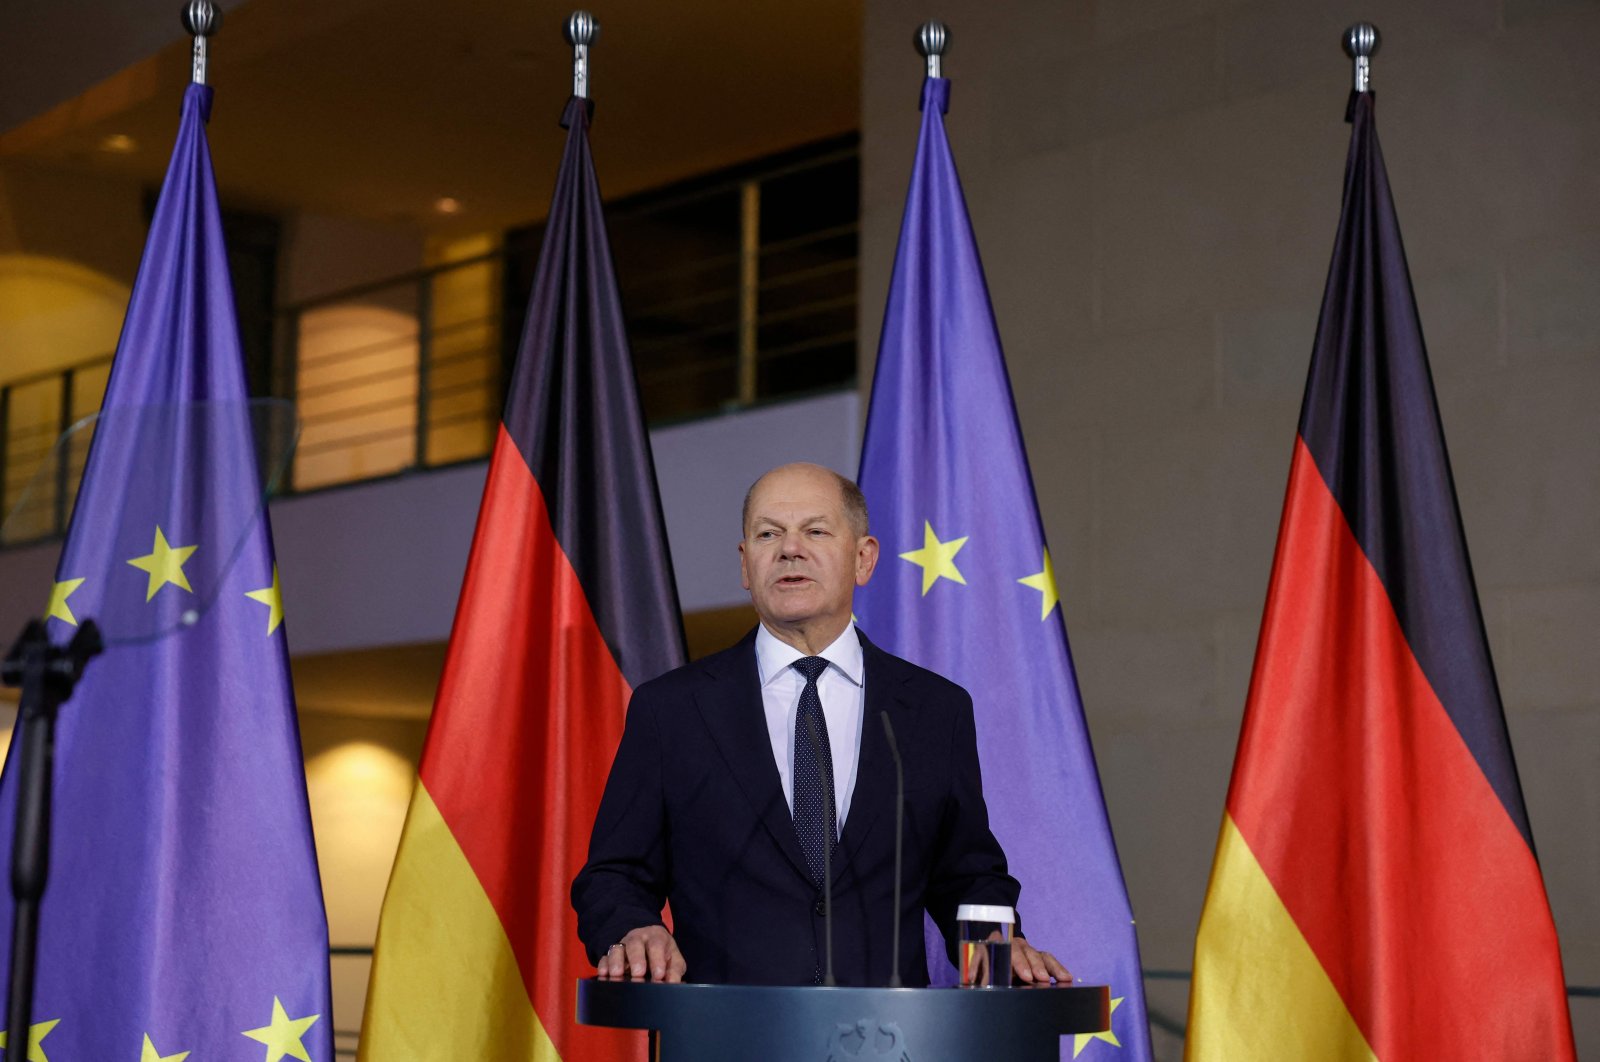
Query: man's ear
866	559
744	567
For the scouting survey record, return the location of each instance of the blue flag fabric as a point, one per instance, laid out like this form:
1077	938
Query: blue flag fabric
965	588
183	911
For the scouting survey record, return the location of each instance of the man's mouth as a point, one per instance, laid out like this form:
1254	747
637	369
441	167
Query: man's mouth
793	580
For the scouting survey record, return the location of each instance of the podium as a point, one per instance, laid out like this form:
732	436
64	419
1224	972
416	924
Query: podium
733	1023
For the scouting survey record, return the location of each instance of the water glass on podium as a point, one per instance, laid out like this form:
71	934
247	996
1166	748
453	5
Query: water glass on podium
983	935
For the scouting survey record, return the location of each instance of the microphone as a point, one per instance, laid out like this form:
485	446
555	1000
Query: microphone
899	831
825	769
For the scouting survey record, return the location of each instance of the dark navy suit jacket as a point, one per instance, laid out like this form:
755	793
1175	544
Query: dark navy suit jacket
694	814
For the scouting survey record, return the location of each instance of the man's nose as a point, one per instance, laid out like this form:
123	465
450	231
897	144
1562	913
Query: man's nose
793	545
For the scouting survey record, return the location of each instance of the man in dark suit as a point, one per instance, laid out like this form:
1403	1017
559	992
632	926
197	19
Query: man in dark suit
736	770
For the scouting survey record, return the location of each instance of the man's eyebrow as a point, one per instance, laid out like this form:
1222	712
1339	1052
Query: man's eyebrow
771	521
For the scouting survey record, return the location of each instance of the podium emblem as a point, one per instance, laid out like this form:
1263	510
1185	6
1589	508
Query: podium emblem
868	1040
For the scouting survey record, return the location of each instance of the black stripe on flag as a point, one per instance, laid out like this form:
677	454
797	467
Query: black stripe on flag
573	410
1372	424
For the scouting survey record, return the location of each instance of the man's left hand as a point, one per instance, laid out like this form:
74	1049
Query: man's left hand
1031	966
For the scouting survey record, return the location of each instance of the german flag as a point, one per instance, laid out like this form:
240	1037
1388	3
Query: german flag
567	605
1375	892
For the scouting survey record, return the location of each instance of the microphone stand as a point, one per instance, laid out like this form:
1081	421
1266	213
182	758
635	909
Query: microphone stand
47	674
899	832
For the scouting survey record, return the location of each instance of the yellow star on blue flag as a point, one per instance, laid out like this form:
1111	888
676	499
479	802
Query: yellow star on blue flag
282	1036
36	1035
150	1054
58	606
1044	581
272	597
936	559
1082	1040
164	563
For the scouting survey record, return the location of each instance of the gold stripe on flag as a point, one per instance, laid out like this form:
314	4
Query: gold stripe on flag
1259	994
445	983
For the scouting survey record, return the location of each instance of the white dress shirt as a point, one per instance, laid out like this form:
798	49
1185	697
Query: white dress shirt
840	688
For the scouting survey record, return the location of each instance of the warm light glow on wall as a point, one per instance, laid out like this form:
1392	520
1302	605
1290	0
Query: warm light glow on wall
359	792
54	313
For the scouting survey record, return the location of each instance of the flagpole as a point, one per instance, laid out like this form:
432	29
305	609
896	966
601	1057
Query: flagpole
932	38
201	18
581	30
1361	42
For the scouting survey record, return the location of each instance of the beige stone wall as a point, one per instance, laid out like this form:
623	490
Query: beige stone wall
1155	186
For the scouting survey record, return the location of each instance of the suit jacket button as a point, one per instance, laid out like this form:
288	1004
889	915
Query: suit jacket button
820	909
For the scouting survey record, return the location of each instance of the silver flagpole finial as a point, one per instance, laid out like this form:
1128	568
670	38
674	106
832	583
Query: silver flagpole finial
580	30
932	39
1360	44
201	18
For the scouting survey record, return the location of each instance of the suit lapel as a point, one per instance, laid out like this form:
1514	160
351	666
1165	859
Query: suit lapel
731	708
875	788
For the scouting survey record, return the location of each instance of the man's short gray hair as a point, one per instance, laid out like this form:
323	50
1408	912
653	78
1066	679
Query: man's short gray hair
854	502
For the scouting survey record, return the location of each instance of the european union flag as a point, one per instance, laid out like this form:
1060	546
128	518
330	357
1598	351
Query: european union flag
966	588
183	912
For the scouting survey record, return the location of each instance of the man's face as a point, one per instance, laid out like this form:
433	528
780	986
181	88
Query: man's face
800	559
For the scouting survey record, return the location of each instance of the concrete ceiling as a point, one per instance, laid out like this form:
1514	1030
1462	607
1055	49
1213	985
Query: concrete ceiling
374	109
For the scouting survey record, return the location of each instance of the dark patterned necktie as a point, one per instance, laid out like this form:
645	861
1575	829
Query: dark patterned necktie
814	815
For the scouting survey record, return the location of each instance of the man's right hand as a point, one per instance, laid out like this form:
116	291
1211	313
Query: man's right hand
648	952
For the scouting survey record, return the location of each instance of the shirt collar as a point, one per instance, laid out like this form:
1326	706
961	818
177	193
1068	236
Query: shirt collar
774	657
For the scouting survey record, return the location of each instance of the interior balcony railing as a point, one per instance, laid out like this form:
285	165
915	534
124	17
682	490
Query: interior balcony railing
737	288
36	490
394	376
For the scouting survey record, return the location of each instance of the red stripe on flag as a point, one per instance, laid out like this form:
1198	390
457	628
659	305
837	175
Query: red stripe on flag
528	716
1374	823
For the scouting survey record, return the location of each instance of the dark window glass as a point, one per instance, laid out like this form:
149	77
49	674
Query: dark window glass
680	254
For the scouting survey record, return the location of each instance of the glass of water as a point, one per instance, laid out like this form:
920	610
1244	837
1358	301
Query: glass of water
983	936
